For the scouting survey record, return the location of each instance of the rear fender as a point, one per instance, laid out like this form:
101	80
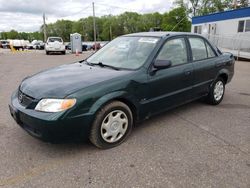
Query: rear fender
221	72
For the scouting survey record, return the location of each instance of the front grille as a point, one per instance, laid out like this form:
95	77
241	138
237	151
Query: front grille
24	99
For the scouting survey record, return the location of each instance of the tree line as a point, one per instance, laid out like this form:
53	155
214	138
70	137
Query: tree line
203	7
109	26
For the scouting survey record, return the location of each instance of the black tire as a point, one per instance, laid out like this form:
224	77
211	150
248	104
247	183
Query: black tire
47	52
63	52
95	133
211	98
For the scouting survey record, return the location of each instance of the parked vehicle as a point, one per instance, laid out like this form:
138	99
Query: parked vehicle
35	44
29	46
68	46
55	44
96	46
84	47
38	45
18	44
128	80
4	44
89	47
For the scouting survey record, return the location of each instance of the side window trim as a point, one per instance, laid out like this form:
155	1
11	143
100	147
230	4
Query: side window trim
206	47
209	45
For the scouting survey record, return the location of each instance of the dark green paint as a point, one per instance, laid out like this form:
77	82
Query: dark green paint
146	91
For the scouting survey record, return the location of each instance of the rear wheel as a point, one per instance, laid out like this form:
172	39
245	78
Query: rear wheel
112	125
217	91
47	52
63	52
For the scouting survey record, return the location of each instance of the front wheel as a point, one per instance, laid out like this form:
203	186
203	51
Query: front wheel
112	125
216	92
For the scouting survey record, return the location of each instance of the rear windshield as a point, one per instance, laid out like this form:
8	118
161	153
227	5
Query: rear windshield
55	39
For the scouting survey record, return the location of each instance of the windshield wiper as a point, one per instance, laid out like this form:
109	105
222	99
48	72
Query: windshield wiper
105	65
101	65
86	62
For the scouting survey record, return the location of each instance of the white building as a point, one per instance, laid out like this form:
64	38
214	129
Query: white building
229	30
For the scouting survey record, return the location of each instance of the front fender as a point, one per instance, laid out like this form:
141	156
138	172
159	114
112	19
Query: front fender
105	99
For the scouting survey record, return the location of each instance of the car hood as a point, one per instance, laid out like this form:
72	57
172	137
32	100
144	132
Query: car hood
66	79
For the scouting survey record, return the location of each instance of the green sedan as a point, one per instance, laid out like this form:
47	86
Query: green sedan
128	80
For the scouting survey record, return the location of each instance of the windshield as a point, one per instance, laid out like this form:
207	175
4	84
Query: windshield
125	52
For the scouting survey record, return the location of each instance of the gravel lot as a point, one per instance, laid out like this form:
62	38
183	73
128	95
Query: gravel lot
195	145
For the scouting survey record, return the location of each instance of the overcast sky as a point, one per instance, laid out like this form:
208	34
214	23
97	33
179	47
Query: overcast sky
26	15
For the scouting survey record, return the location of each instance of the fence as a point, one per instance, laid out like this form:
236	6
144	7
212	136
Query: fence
239	45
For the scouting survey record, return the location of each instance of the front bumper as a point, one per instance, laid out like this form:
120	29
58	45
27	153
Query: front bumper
50	126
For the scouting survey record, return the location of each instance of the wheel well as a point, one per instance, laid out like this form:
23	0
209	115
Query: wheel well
125	101
224	77
130	105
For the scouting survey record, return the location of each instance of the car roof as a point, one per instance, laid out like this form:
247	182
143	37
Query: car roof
160	34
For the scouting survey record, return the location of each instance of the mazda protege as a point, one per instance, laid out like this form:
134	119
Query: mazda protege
130	79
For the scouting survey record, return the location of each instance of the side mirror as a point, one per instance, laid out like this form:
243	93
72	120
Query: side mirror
162	64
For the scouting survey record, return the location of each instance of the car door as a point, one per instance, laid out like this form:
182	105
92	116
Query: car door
204	60
171	86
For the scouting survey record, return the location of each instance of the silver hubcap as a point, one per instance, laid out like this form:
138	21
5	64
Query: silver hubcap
114	126
218	90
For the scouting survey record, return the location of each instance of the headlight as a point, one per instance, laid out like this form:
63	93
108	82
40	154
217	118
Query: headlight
55	105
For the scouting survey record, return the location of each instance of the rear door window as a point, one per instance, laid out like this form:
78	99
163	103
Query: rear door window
198	48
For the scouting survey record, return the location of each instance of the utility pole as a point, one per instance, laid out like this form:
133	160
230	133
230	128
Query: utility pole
94	26
235	4
83	30
44	28
110	32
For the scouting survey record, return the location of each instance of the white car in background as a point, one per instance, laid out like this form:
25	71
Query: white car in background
55	44
18	44
36	44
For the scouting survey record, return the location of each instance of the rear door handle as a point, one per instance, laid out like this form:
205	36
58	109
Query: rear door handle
188	72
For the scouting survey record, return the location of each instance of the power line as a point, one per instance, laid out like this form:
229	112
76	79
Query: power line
83	10
115	6
86	7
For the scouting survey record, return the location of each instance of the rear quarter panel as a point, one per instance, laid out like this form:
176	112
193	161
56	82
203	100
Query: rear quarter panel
225	65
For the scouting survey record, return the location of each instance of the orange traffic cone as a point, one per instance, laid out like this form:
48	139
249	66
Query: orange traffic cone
77	53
